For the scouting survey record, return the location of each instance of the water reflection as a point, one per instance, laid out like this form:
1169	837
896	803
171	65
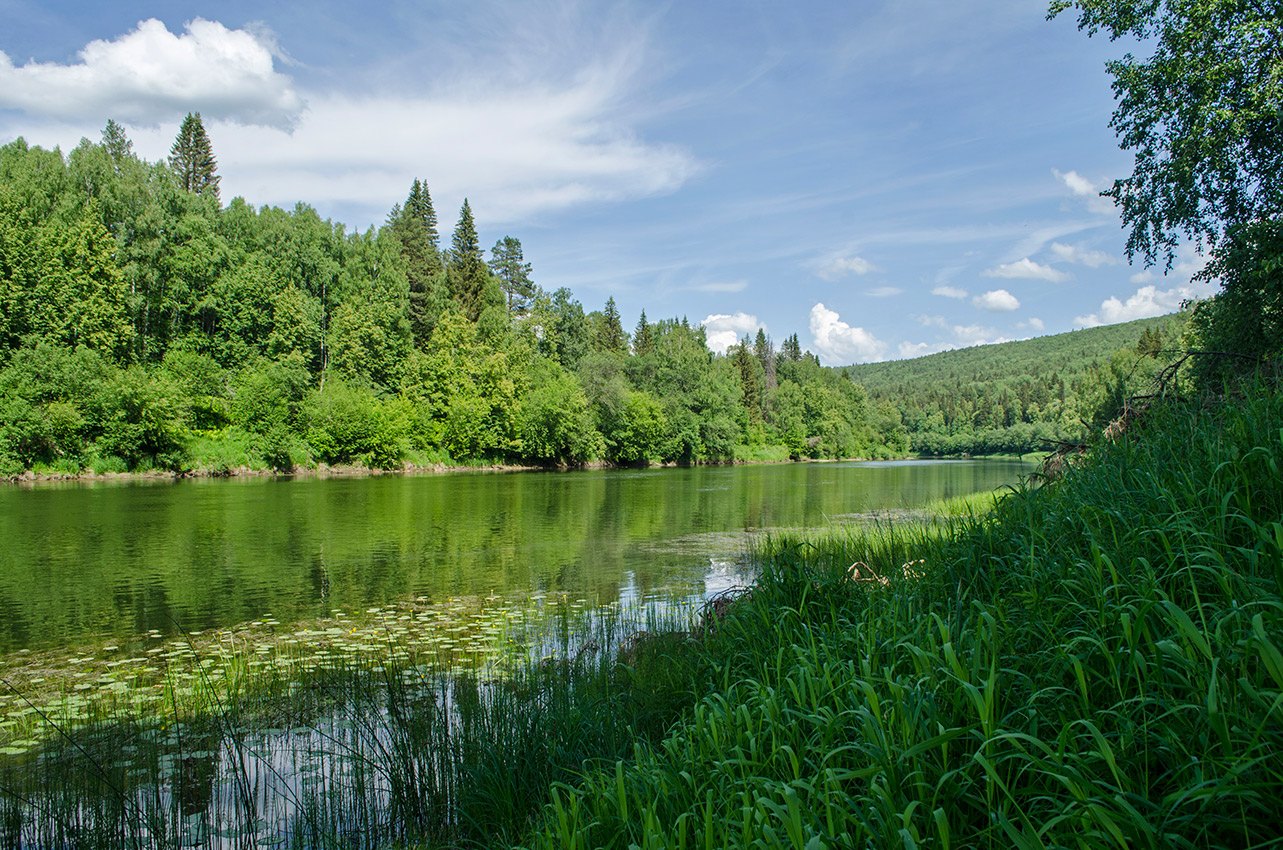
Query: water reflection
84	562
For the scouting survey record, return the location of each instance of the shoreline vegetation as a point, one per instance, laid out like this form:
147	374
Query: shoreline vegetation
1092	660
148	326
356	471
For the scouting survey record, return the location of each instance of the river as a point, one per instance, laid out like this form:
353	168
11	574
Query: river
84	562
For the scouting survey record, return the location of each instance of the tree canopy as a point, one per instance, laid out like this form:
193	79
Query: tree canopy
1203	113
191	157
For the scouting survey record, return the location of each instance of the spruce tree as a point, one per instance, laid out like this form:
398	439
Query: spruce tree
415	226
643	337
513	273
116	143
192	158
610	334
467	270
765	353
791	349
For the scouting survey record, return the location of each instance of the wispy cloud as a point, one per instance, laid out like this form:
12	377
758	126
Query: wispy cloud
516	149
883	291
727	286
840	267
1083	256
1027	269
1083	188
837	343
949	292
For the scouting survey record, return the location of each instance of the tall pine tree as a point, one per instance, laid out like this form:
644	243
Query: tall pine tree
643	337
415	226
192	158
609	334
467	270
513	273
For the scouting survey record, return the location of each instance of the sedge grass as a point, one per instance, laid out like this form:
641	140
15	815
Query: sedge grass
1093	663
423	739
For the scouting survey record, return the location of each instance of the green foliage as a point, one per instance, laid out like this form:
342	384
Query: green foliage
1241	329
554	423
192	158
234	314
1201	111
608	330
513	273
140	420
1016	397
415	227
268	395
1093	664
470	281
347	424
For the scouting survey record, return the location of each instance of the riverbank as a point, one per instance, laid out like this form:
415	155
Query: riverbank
1094	663
357	471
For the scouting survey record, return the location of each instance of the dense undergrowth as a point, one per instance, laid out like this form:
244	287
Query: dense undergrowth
1093	663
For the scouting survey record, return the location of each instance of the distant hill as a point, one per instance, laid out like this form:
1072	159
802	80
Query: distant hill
1014	396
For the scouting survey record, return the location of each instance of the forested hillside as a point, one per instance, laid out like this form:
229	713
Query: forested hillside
1016	396
144	324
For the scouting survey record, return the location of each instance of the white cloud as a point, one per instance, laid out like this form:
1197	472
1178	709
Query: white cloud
725	330
1145	302
553	140
949	292
958	336
727	286
1144	276
1033	324
1083	256
150	75
1027	269
909	350
840	267
838	343
883	291
1081	187
997	301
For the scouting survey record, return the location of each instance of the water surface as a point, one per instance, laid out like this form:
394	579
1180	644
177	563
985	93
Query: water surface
109	560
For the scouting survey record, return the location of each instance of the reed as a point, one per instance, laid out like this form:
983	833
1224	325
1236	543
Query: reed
315	745
1097	662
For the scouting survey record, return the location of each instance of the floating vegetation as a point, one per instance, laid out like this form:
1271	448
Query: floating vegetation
367	727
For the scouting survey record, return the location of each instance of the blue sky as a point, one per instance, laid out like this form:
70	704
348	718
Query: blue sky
885	179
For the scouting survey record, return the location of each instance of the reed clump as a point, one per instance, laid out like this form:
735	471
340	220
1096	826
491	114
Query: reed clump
1096	662
336	740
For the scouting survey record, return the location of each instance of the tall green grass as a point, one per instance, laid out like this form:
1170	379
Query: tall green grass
368	750
1097	662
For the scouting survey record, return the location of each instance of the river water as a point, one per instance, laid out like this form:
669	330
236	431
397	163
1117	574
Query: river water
84	562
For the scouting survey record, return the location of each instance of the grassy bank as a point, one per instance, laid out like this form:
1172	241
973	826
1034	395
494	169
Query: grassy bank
1095	663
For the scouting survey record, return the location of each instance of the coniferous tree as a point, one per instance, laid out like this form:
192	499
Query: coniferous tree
192	158
467	269
415	226
419	207
765	353
116	143
643	337
513	273
791	349
609	334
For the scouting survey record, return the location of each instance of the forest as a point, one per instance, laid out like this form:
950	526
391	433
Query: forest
147	326
1024	396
